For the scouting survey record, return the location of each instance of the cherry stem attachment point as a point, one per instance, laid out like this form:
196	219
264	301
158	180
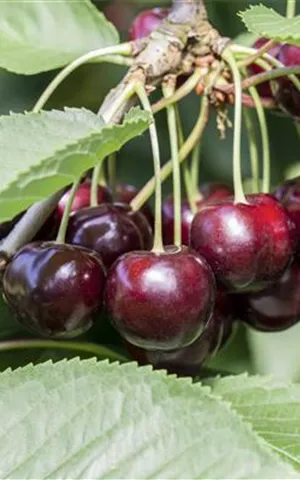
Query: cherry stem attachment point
157	243
108	54
168	90
65	218
96	350
239	196
265	140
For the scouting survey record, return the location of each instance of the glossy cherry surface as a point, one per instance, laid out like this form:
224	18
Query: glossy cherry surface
247	245
125	193
141	222
106	229
186	361
264	89
289	195
160	300
287	95
54	289
276	308
146	22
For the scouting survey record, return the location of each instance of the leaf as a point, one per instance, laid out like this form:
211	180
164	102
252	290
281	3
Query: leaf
266	22
41	153
272	408
83	419
46	34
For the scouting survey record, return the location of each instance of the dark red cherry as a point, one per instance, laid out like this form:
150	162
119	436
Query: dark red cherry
213	192
160	300
82	198
141	222
276	308
287	95
247	245
289	195
146	22
105	229
125	193
54	289
264	89
187	360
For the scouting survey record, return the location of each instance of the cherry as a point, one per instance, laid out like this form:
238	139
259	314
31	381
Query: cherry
160	300
82	198
208	192
146	22
106	229
247	245
276	308
264	88
125	193
287	96
54	289
141	222
187	360
289	195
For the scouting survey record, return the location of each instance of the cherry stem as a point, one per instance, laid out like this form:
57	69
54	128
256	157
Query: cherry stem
112	172
239	196
29	225
168	90
195	169
258	54
188	86
253	150
157	243
97	350
95	183
108	54
290	8
265	139
65	218
194	137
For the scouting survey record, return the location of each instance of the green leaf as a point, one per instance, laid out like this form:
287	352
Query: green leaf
83	419
43	35
266	22
272	408
43	152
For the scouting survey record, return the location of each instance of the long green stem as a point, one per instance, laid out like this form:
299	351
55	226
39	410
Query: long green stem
65	219
112	172
290	8
195	168
95	183
168	90
239	196
265	139
157	243
97	350
253	150
110	54
185	150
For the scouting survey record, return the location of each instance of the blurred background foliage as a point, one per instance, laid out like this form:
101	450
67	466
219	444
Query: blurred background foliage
87	87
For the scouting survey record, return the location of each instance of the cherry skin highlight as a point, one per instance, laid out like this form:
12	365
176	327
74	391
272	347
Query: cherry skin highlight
289	195
160	301
247	245
276	308
105	229
287	95
187	360
146	22
55	290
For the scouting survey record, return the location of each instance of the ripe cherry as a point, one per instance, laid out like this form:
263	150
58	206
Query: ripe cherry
187	360
54	289
264	89
208	192
125	193
287	96
160	301
146	22
141	222
276	308
106	229
247	245
289	195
